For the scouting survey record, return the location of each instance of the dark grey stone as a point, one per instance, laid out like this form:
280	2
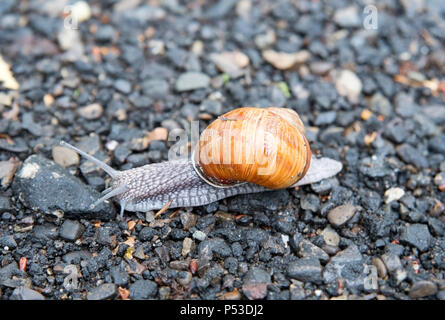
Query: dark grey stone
4	204
104	235
211	106
326	118
347	265
306	269
119	276
39	179
310	202
411	155
23	293
257	275
103	292
156	89
70	230
422	288
416	235
45	232
271	200
217	246
123	86
8	241
77	256
105	33
192	81
437	144
143	289
146	234
307	249
220	9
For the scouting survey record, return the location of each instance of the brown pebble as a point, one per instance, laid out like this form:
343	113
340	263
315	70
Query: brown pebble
205	116
65	156
284	60
188	220
91	112
232	295
139	253
230	63
330	250
187	245
254	291
158	134
7	171
48	99
179	264
341	214
381	268
224	216
184	281
422	288
437	209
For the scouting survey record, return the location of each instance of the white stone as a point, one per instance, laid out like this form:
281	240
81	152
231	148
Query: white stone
199	235
349	85
393	194
330	236
81	11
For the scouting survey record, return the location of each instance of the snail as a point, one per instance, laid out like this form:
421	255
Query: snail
246	150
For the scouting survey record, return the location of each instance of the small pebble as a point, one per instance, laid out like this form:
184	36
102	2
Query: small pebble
186	246
308	250
191	81
199	235
349	85
23	293
65	156
285	61
230	63
123	86
255	284
306	269
70	230
347	17
7	171
422	288
103	292
81	11
393	194
381	268
143	289
392	262
184	278
341	214
265	40
330	236
91	112
416	235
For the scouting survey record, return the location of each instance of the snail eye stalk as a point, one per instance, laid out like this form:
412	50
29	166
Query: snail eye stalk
105	167
114	192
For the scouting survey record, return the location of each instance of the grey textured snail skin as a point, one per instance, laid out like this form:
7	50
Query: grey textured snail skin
152	186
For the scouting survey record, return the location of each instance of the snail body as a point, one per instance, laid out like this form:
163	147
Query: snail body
267	149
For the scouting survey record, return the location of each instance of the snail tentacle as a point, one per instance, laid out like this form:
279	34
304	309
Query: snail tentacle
111	172
114	192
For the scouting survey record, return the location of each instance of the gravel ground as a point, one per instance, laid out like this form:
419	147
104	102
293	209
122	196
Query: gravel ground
134	70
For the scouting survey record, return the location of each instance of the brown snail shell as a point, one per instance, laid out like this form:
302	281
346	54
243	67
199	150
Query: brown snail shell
266	146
